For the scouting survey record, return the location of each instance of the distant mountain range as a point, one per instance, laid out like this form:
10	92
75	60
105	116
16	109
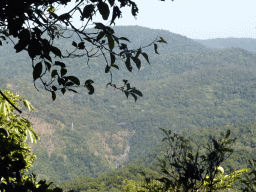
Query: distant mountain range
248	44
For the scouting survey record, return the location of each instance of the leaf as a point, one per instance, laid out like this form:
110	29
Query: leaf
112	58
162	40
69	83
54	73
100	36
48	65
128	64
56	51
111	2
137	62
124	38
107	69
111	42
126	94
155	47
74	79
53	95
87	12
72	90
115	66
74	44
90	88
228	133
54	88
63	90
61	64
81	45
145	55
136	92
103	9
37	70
63	72
34	48
134	96
116	39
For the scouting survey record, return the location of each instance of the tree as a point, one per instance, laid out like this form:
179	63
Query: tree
35	18
15	155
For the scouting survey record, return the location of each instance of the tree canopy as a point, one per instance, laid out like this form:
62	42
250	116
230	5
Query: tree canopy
36	27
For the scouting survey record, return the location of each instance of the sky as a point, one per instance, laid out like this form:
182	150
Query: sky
195	19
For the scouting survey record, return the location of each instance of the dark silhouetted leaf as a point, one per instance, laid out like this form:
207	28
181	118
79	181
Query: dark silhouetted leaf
63	72
128	64
53	95
107	69
134	96
48	65
74	79
137	62
72	90
155	47
111	2
136	92
74	44
37	70
145	55
61	64
54	88
81	45
124	38
115	66
63	90
100	36
112	58
103	9
54	73
228	133
111	42
56	51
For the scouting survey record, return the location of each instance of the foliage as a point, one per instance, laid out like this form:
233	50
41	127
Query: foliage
36	18
15	156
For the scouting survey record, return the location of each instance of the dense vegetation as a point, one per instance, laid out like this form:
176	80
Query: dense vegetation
188	87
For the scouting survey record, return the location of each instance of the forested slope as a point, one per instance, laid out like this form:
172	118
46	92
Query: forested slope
187	86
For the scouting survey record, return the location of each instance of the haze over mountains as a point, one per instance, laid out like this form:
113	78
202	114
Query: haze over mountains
188	85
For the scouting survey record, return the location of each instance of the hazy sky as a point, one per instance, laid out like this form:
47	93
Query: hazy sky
196	19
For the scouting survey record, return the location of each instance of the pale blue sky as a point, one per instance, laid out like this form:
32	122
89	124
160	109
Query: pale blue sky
196	19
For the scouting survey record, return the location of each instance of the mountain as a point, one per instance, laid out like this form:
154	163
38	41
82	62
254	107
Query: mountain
248	44
186	86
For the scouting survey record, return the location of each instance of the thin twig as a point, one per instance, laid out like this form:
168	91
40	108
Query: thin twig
10	102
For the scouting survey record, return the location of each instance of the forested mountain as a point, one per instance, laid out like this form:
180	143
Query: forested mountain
186	87
248	44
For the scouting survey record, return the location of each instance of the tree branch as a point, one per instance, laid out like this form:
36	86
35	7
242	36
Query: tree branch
10	102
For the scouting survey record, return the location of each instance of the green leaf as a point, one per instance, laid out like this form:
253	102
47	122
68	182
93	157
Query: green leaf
145	55
56	51
112	58
228	133
37	70
53	95
155	47
136	92
124	38
162	40
107	69
103	9
74	79
63	72
111	42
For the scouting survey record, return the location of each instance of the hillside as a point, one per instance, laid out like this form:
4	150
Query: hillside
248	44
196	88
